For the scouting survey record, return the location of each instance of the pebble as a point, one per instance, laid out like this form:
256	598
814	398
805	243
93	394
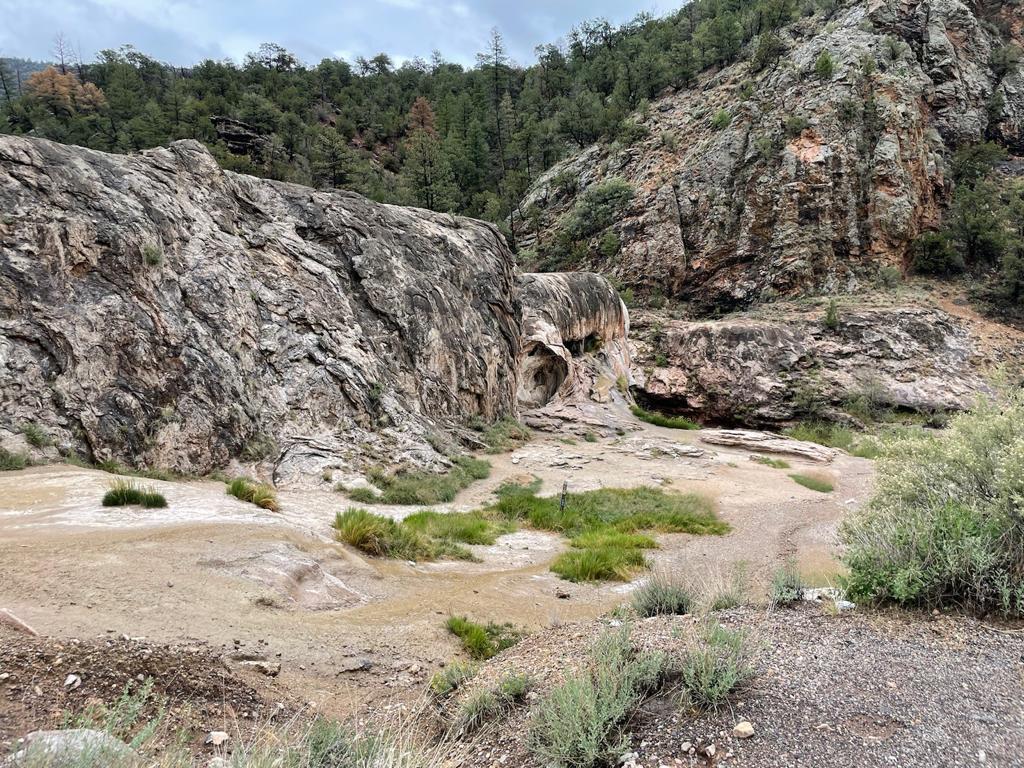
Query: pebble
217	738
743	730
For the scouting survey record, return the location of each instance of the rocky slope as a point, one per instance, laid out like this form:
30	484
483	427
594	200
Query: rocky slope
157	310
783	180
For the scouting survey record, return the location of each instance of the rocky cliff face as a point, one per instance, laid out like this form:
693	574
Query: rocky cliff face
157	310
774	367
780	181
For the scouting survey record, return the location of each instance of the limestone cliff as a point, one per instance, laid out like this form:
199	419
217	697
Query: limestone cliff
157	310
782	178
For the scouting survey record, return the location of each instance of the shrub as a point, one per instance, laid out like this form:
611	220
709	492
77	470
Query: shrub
832	315
889	277
10	461
787	584
482	641
261	495
715	667
504	436
721	120
661	596
661	420
944	524
451	677
814	483
795	125
610	244
492	703
770	462
935	255
260	447
35	436
361	494
152	255
824	66
123	493
589	437
579	723
597	208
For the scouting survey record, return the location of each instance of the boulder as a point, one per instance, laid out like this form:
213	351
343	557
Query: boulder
72	748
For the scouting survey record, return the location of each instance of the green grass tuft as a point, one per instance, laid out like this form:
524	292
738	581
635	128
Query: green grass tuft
814	483
715	667
124	493
10	461
768	461
505	436
35	436
451	677
360	495
661	420
489	704
787	585
606	564
662	596
482	641
255	493
424	488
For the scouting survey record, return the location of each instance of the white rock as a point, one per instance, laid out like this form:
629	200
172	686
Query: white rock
217	738
743	730
72	681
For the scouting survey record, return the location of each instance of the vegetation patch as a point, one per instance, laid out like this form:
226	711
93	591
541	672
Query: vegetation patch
787	585
503	436
10	460
606	526
424	488
125	493
768	461
493	703
451	677
35	436
424	536
255	493
716	666
580	723
836	436
482	641
661	420
944	525
661	596
814	483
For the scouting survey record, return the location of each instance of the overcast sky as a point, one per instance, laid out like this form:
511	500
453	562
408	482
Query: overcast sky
187	31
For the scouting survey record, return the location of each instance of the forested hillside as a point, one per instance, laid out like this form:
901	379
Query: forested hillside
433	134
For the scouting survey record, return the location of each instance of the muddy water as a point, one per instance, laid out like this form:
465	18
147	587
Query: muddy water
218	570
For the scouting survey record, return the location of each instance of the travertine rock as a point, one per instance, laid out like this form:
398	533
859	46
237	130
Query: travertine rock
155	309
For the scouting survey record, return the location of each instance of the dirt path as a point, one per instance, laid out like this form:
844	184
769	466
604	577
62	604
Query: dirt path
347	629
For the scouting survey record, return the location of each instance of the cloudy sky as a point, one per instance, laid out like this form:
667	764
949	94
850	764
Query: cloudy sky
186	31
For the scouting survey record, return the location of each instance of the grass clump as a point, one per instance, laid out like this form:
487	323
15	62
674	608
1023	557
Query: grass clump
451	677
662	596
768	461
255	493
124	493
425	535
423	488
715	667
787	585
813	482
606	526
492	703
505	435
35	436
944	525
661	420
836	436
580	723
482	641
360	495
10	460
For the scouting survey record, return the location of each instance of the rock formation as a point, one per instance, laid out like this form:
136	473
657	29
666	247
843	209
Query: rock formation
784	180
157	310
769	368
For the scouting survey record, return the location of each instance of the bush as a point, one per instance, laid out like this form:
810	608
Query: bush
451	677
944	524
504	436
661	420
721	120
661	596
610	244
151	255
492	703
787	585
124	493
10	461
795	125
35	436
814	483
824	66
244	489
935	255
482	641
718	665
832	315
598	208
579	724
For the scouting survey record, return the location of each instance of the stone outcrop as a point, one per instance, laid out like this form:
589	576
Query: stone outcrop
816	183
575	330
157	310
770	368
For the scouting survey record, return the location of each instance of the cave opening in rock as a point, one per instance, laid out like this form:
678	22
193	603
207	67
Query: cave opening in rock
541	374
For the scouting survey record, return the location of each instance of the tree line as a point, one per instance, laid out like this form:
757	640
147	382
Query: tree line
469	140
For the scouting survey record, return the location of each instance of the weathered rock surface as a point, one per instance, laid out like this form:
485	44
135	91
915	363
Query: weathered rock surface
815	184
765	442
71	748
762	370
155	309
